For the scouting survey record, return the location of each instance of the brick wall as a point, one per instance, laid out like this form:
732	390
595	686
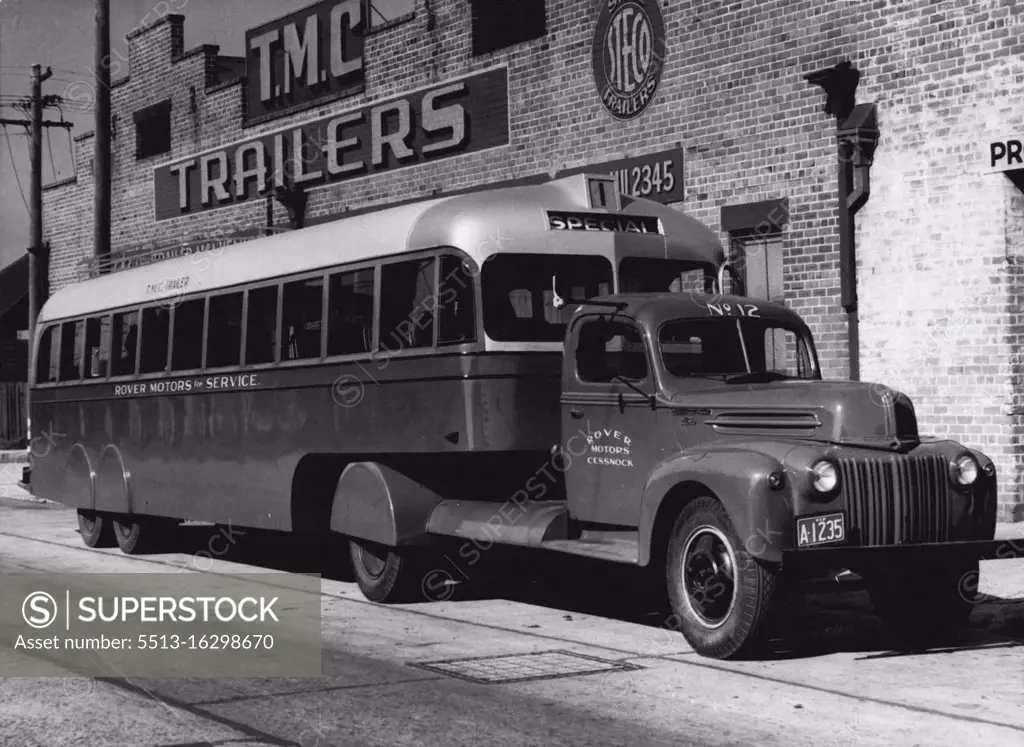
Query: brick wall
938	244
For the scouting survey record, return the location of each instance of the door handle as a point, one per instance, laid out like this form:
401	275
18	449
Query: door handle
576	412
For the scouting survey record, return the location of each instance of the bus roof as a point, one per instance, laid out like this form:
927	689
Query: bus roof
509	219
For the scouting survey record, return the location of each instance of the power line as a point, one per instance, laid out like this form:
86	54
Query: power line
14	167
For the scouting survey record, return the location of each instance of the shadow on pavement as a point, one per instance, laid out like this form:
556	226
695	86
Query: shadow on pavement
814	619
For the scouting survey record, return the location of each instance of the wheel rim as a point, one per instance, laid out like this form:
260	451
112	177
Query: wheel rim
124	529
709	576
87	522
372	563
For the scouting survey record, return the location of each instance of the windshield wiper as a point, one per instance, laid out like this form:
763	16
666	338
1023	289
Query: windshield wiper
756	376
649	397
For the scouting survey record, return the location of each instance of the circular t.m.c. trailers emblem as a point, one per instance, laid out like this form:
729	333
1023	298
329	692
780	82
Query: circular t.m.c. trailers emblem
628	54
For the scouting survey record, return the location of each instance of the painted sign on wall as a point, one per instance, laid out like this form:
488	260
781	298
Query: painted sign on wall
656	176
459	116
303	59
1005	154
628	55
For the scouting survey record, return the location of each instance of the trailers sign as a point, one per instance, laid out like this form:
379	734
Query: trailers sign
461	116
304	59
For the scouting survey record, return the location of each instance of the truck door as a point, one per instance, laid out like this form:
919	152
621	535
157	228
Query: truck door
606	419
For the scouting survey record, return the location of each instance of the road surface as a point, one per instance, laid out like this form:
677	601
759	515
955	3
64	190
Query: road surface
836	685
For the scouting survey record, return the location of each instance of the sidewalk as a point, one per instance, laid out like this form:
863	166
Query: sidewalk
19	456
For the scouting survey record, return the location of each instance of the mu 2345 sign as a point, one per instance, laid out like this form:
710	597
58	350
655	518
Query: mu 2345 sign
449	119
628	55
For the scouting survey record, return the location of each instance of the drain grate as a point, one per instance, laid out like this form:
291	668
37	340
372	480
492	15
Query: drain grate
542	665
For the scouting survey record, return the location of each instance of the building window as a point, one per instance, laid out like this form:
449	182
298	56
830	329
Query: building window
153	130
501	23
758	260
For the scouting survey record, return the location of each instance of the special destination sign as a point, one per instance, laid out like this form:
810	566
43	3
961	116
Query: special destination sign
452	118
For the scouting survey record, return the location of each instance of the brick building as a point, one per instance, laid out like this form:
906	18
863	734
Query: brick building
939	245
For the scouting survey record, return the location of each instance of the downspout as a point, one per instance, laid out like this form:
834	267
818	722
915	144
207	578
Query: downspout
856	138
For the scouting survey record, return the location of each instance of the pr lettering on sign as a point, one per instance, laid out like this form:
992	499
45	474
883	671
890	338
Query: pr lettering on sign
628	55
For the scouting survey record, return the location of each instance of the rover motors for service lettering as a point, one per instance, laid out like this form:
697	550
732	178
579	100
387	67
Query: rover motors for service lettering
628	55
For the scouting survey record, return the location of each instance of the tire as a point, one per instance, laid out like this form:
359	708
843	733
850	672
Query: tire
720	594
923	606
384	575
141	535
95	529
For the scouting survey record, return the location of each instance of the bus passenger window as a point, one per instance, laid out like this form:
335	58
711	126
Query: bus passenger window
125	334
350	329
49	354
301	312
406	311
455	300
97	347
224	331
187	345
261	325
71	350
156	327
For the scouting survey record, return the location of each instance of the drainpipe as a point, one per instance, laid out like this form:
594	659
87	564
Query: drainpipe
856	139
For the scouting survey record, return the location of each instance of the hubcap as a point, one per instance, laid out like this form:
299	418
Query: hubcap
709	576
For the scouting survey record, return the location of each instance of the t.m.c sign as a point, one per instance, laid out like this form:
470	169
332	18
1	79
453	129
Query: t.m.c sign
303	59
447	119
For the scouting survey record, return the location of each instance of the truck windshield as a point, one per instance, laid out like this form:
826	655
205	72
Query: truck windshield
518	298
736	349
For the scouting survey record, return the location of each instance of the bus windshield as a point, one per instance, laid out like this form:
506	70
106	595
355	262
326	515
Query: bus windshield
519	299
653	275
737	349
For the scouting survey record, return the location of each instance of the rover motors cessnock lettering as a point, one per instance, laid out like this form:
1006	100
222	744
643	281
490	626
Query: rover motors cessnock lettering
628	55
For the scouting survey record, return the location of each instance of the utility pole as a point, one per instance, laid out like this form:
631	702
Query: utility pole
101	155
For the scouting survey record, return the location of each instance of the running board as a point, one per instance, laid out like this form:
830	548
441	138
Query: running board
543	525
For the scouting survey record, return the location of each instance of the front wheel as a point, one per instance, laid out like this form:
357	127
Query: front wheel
719	592
385	575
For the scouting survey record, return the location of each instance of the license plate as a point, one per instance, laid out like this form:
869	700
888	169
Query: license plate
820	530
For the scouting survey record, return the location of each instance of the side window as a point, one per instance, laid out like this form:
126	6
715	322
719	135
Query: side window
71	350
156	327
350	329
301	312
406	308
261	325
97	347
455	299
786	353
187	346
48	356
607	350
224	330
125	338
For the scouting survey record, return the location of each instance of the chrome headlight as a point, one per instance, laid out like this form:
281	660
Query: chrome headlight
825	476
965	470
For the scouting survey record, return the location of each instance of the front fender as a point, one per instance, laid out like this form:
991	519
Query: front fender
735	476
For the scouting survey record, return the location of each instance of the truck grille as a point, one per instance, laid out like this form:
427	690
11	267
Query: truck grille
895	500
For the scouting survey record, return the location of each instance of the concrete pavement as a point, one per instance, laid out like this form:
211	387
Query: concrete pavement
840	686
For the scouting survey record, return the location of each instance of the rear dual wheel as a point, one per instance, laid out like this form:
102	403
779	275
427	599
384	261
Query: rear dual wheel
95	529
719	592
141	535
388	574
